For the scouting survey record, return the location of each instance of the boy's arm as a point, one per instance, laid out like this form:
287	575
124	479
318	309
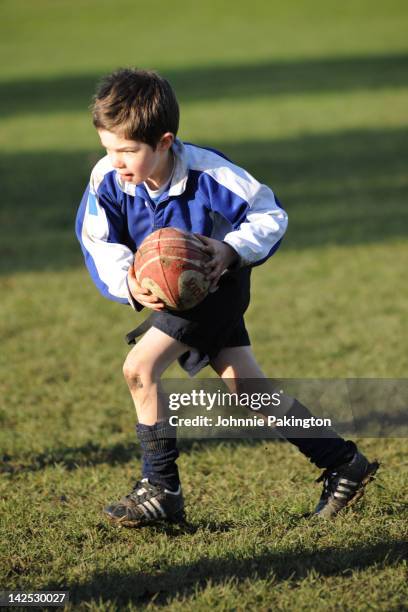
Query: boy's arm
259	233
99	229
258	221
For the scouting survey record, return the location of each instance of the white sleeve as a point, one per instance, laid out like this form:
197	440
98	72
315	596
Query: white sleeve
264	225
107	259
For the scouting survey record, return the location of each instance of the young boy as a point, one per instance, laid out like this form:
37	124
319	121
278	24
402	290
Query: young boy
148	180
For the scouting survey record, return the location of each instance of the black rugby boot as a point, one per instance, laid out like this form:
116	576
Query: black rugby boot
147	504
344	485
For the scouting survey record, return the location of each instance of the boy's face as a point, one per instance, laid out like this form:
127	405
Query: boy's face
136	161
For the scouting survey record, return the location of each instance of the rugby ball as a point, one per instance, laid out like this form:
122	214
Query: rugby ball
170	263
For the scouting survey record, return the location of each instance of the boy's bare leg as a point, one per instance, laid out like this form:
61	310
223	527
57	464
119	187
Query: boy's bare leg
238	368
143	367
234	363
157	496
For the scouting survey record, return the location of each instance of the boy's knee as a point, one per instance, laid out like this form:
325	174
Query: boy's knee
138	373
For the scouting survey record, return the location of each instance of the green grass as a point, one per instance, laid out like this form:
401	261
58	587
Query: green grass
311	98
250	550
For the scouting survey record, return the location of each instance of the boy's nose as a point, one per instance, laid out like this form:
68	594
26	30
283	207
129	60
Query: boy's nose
117	161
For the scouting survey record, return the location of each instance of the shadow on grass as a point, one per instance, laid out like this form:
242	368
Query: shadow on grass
91	454
71	458
342	188
162	586
74	93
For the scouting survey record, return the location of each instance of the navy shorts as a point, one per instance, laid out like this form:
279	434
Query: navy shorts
216	323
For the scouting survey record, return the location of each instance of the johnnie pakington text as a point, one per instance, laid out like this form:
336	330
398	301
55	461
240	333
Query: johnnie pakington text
255	421
253	401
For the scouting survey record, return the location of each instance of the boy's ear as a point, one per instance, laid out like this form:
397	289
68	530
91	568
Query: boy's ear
166	141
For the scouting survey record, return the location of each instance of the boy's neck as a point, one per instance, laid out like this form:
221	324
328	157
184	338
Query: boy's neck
163	173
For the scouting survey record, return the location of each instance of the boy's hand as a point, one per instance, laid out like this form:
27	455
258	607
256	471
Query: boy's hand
142	295
222	257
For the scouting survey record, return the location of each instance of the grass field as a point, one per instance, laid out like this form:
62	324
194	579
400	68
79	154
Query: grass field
312	98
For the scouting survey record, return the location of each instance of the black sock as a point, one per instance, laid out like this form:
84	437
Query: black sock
159	454
326	449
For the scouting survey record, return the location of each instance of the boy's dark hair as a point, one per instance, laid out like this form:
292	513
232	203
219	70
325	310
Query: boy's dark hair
139	104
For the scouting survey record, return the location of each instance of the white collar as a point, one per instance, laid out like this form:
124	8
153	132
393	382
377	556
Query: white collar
180	174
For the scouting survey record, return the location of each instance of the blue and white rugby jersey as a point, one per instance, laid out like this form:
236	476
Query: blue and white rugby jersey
208	194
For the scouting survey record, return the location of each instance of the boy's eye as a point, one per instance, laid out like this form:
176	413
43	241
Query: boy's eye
124	151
